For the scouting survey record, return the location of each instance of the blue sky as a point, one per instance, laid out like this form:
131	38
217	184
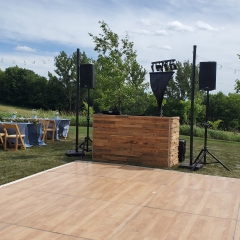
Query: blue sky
32	33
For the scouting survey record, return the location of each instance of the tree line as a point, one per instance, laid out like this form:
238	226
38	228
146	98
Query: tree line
120	86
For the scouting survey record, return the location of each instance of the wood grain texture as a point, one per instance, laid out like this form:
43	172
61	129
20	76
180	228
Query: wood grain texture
100	201
139	140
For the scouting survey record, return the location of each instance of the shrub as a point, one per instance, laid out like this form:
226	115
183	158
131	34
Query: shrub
214	134
82	121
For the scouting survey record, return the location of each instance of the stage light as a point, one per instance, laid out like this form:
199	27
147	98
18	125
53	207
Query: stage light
165	66
173	66
152	67
159	67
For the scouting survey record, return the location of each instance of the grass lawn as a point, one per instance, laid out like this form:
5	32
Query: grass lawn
225	151
18	164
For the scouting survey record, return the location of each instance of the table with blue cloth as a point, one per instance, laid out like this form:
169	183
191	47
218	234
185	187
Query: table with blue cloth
32	132
62	127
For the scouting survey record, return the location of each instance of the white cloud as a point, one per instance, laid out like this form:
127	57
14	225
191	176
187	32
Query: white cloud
146	22
25	49
161	32
146	32
169	27
164	47
142	31
205	26
40	64
178	26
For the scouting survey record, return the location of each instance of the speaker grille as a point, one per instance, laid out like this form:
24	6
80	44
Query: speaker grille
207	76
87	76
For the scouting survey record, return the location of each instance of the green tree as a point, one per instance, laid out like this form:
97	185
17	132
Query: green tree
56	99
119	78
18	86
227	109
2	77
237	86
178	95
66	72
38	95
152	108
180	86
233	112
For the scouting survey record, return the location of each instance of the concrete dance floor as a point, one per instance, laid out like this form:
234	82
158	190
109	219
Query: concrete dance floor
86	200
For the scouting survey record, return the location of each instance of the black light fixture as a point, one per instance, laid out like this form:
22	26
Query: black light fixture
161	66
173	66
160	79
166	66
152	67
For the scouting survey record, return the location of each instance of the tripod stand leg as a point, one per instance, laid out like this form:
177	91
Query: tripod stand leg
217	160
84	143
87	138
199	158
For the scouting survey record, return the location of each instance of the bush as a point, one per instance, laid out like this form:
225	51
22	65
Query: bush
82	121
214	134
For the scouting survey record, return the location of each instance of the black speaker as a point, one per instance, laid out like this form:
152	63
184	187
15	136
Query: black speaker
207	76
87	76
181	150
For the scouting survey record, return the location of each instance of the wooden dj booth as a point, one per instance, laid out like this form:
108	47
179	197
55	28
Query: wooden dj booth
139	140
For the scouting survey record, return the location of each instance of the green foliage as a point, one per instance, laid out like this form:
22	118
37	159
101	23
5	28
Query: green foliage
66	71
82	121
226	108
178	95
237	86
64	86
23	87
214	125
180	86
152	107
85	109
119	78
120	85
212	134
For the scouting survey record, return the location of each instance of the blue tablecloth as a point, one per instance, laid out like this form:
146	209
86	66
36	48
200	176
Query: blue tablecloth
32	132
62	127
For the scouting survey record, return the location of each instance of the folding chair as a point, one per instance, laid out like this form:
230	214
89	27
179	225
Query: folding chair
1	139
17	136
45	124
50	127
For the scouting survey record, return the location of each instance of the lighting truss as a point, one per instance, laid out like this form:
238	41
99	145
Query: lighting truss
165	65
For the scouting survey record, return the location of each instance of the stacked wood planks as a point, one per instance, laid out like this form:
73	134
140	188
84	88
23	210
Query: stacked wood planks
139	140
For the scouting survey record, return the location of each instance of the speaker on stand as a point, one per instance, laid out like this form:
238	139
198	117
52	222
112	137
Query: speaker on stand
87	80
207	82
207	76
87	76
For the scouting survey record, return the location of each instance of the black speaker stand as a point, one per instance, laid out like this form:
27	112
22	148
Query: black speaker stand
76	152
204	151
202	155
85	144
